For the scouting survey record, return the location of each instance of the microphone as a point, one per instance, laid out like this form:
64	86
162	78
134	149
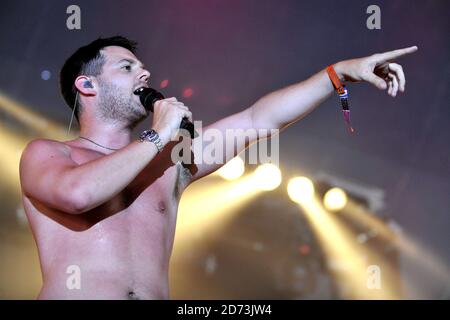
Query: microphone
149	96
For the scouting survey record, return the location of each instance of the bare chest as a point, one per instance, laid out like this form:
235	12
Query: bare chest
155	190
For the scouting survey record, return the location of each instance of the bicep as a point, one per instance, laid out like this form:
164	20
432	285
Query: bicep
217	136
43	169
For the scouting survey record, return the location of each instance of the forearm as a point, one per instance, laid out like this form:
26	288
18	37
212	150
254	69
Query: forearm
100	180
280	108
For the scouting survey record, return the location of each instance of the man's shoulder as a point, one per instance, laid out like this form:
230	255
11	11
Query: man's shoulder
44	146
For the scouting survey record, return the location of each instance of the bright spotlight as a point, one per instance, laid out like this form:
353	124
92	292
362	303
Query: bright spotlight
335	199
300	189
267	177
233	169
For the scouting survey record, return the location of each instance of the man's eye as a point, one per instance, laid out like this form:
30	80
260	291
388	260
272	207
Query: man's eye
128	68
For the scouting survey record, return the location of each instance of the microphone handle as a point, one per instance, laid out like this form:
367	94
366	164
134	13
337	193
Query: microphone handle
189	126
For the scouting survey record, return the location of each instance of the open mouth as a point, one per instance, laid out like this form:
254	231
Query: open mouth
139	90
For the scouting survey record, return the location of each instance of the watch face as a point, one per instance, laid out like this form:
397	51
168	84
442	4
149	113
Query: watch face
149	135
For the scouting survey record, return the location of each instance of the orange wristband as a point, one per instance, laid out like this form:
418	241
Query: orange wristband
338	86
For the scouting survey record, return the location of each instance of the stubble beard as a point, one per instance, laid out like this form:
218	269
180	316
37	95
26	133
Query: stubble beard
118	107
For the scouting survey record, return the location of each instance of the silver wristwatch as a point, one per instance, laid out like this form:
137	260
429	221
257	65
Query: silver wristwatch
152	136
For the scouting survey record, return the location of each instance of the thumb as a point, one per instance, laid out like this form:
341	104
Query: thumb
376	81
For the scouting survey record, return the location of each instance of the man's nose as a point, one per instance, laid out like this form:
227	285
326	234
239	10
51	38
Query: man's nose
144	76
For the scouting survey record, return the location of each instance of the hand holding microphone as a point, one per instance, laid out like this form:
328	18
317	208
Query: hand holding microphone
170	114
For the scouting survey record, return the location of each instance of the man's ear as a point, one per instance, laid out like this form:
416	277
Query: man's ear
86	86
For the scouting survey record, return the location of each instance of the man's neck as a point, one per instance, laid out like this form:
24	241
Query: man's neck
113	136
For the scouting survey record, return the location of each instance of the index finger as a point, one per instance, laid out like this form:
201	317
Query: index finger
390	55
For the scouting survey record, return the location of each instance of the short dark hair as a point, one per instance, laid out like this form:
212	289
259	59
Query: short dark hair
87	60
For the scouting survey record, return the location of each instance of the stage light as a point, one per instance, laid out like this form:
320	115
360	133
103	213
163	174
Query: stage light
208	204
233	169
347	259
267	177
409	247
46	75
335	199
164	83
188	92
300	189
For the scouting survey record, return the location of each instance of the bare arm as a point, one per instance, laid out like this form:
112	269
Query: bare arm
48	174
283	107
280	108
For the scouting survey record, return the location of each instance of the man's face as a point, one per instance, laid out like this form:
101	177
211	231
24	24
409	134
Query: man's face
122	73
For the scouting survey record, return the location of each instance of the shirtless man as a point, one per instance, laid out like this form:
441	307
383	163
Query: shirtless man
107	204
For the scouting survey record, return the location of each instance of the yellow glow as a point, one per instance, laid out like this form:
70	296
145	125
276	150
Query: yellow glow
335	199
205	208
346	259
45	127
233	169
300	189
267	177
11	147
409	247
209	201
12	144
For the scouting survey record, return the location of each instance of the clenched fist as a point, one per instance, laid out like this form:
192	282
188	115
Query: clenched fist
167	116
